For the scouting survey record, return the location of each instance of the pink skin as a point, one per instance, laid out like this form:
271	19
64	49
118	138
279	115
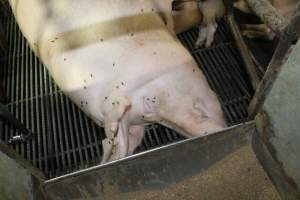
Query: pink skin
165	100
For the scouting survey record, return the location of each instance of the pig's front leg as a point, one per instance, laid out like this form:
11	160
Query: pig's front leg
202	36
211	30
212	11
116	126
116	146
206	35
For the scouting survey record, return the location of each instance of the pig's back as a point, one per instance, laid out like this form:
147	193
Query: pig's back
86	35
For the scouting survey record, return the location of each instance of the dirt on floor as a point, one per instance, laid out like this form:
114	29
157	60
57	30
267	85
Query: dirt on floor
238	176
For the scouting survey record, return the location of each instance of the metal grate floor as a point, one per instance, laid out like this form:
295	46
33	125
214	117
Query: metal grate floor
66	140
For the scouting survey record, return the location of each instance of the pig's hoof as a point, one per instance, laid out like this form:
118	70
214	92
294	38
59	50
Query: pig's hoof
199	44
107	146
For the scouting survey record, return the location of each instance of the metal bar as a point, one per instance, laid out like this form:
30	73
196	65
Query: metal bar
72	133
244	51
40	127
289	35
48	131
75	123
65	130
98	152
88	132
156	136
55	140
58	140
6	115
266	154
268	14
82	136
9	70
163	136
236	71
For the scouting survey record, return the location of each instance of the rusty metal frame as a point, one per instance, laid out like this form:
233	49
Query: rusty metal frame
29	179
268	14
288	36
245	52
266	154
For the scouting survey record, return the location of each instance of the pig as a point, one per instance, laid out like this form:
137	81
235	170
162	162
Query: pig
186	15
204	14
212	11
285	8
118	61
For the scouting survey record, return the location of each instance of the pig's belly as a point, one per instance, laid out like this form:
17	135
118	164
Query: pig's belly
89	74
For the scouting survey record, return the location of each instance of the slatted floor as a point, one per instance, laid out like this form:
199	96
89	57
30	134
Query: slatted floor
66	140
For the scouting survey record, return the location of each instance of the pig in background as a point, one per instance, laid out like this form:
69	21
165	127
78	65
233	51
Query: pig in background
212	11
205	14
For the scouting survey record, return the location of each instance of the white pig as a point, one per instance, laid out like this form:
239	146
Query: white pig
120	64
186	15
212	11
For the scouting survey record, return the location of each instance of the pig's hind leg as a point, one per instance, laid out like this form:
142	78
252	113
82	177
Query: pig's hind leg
136	135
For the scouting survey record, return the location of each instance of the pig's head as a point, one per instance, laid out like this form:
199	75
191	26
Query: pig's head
183	101
180	99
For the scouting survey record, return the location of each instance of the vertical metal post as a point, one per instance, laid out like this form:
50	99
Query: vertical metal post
268	14
244	51
289	35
